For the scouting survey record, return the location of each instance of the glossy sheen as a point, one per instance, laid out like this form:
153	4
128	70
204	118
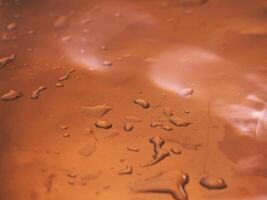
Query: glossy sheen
204	60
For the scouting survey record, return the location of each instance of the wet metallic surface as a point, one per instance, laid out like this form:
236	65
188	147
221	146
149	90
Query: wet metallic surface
204	60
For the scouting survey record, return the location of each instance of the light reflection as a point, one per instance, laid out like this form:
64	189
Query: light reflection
249	121
174	70
167	84
100	26
253	97
89	62
190	67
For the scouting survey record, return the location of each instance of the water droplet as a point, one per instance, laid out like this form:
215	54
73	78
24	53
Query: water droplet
159	153
179	122
156	124
66	135
61	22
132	149
59	84
126	171
36	93
67	75
170	182
187	111
176	150
103	124
210	182
48	183
128	127
6	60
11	26
143	103
11	95
64	127
67	38
187	92
107	63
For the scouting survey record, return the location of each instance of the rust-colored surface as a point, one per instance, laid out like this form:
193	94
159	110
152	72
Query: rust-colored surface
92	90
